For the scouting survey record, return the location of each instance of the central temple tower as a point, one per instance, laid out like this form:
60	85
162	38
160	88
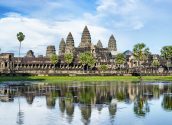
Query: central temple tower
85	39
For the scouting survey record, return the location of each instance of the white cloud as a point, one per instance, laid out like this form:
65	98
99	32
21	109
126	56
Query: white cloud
126	14
39	34
122	7
47	23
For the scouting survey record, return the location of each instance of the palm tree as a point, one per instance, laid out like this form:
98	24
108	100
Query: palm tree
20	37
120	60
68	58
54	59
141	53
166	52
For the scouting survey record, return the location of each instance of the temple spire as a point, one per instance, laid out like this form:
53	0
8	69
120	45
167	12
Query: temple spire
86	38
69	44
112	44
99	44
50	50
62	47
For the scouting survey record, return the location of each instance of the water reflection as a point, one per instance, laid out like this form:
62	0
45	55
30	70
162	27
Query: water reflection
90	96
141	106
167	102
20	118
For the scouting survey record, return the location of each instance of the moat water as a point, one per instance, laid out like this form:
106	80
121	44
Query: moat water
100	103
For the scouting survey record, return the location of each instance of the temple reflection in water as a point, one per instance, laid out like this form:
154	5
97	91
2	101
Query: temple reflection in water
91	96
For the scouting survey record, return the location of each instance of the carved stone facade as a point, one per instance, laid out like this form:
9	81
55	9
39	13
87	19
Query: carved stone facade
101	54
69	44
85	39
112	44
99	44
50	50
62	47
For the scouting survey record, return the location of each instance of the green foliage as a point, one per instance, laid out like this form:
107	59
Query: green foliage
68	58
103	68
59	79
87	96
91	61
83	58
54	58
166	52
140	51
141	106
120	59
87	58
155	63
20	36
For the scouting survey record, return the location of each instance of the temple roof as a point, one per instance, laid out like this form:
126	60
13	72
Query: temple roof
112	43
86	38
70	40
30	53
62	46
99	44
62	42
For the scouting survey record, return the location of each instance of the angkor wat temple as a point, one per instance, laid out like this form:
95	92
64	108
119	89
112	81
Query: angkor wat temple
41	65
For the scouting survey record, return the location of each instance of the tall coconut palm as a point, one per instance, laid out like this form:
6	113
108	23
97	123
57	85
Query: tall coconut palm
141	53
20	37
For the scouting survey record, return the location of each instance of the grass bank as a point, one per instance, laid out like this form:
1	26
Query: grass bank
54	79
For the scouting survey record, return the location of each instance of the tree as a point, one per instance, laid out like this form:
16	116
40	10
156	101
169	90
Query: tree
141	53
166	52
103	68
54	59
20	37
120	59
91	61
83	59
68	58
87	59
155	63
167	102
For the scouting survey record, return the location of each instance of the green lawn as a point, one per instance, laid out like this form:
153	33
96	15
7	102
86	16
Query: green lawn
84	78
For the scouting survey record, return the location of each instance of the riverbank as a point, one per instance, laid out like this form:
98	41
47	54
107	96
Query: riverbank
54	79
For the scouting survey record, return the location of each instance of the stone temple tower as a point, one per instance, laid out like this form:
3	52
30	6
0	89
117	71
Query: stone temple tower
30	54
86	38
99	44
50	50
69	44
62	47
112	44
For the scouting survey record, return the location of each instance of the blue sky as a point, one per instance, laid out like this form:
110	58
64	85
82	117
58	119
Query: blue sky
45	22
